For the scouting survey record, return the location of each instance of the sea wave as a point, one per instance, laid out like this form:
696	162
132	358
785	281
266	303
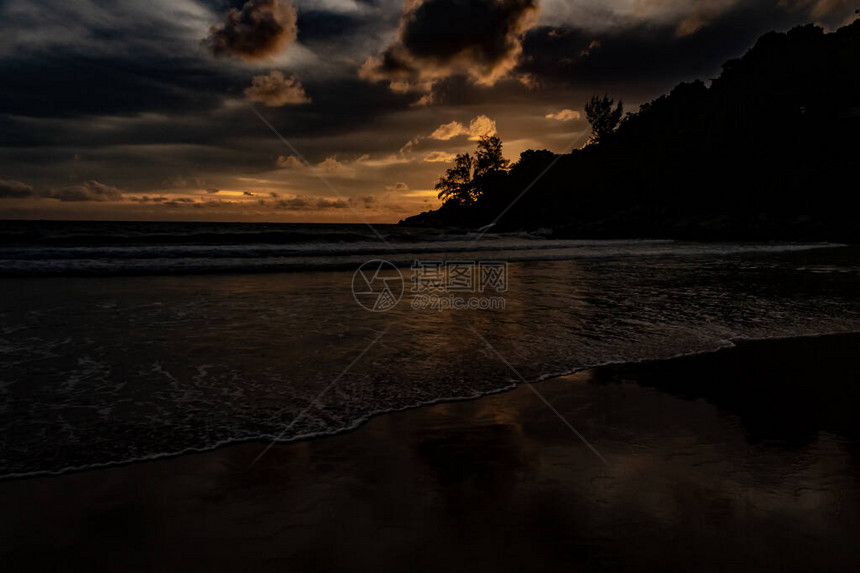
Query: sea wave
97	372
249	258
279	436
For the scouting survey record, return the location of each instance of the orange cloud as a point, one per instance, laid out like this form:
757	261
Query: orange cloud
275	90
564	115
480	126
289	162
89	191
440	157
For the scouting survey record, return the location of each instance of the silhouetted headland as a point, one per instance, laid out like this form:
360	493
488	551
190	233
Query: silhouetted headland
767	151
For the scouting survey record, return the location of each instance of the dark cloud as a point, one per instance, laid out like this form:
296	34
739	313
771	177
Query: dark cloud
275	90
439	38
10	189
146	152
184	202
829	13
321	29
309	204
180	202
563	65
331	204
59	83
338	38
89	191
261	29
399	187
340	105
366	202
298	203
645	58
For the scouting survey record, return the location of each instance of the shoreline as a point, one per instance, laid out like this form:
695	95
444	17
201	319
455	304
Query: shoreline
727	344
528	493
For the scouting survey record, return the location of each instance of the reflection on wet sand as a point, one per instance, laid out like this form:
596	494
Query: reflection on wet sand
711	479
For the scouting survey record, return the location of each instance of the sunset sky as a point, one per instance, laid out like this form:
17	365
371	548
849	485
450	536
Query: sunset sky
143	110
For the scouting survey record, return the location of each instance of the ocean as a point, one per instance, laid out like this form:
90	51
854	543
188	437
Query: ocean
131	341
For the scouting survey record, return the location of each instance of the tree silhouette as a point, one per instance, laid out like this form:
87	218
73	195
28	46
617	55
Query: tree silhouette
471	176
456	184
603	117
488	156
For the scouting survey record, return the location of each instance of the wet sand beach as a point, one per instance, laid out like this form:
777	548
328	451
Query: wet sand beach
741	460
